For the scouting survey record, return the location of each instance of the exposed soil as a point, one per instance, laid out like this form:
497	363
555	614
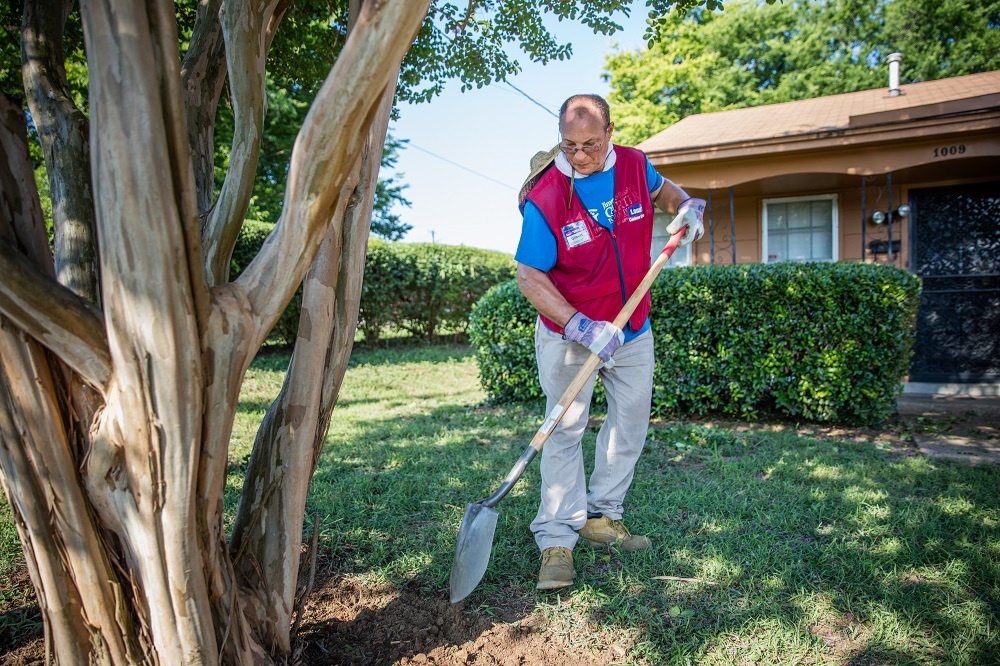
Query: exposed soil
348	623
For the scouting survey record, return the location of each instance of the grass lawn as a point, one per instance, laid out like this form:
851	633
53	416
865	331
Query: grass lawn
805	545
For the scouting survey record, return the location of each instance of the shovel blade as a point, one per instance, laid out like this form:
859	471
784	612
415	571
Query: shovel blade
472	552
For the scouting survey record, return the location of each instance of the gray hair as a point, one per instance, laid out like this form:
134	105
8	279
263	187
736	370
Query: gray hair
604	111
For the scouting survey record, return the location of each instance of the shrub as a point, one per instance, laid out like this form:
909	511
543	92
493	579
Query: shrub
823	342
426	289
502	333
421	288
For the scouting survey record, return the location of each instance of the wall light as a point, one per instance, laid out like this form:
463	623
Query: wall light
883	216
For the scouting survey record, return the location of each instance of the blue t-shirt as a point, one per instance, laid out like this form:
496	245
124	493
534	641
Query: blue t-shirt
537	246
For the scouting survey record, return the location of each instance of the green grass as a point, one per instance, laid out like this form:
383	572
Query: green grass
821	549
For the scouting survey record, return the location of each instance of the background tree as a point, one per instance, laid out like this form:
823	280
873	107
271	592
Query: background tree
756	53
124	345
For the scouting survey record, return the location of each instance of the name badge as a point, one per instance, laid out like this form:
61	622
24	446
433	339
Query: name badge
576	233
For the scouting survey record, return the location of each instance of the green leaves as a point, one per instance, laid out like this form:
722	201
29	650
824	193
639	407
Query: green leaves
701	59
502	332
821	342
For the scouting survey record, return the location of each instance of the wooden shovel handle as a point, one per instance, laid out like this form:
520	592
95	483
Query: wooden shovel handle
594	360
582	376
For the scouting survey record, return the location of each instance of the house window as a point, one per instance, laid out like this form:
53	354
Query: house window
800	229
681	256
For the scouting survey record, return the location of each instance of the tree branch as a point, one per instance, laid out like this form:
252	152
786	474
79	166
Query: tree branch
244	27
63	133
144	195
61	538
52	314
288	443
203	75
29	294
21	223
333	135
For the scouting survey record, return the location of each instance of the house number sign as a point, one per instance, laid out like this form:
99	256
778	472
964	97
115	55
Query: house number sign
948	151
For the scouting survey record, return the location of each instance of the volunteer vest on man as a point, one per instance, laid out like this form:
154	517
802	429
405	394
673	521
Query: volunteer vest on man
597	268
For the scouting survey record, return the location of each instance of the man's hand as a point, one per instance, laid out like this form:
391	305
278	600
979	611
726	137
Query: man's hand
689	214
601	337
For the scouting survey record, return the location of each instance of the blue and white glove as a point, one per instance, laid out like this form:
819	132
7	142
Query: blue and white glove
689	214
601	337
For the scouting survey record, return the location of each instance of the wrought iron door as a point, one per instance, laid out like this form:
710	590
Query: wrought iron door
956	253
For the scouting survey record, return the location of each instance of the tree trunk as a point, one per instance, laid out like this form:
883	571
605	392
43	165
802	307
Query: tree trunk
119	506
62	130
285	454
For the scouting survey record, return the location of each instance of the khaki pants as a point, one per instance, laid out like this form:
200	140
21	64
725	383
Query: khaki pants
629	387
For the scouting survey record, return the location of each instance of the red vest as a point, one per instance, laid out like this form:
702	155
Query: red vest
597	269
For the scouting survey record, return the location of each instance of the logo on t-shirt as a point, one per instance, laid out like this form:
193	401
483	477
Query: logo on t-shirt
576	233
634	212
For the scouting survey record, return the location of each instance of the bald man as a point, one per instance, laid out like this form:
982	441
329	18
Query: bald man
584	247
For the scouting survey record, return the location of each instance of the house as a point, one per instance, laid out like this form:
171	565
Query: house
907	175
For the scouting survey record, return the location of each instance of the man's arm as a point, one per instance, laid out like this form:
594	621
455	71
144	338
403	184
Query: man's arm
668	197
540	292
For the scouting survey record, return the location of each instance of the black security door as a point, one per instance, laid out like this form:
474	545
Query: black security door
956	253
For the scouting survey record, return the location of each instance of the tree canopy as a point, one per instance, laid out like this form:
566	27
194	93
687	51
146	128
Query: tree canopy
755	53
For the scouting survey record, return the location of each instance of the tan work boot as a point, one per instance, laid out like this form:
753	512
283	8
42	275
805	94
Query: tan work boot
603	531
557	569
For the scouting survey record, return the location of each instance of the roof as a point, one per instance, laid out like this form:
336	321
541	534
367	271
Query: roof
835	113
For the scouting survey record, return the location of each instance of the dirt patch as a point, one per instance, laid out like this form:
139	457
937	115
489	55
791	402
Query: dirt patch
351	624
348	623
842	634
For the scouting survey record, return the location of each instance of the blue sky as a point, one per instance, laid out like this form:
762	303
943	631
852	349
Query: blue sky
493	131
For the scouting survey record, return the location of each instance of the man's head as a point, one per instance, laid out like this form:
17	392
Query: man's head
585	127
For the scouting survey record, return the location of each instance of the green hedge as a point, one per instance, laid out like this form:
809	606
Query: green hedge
426	289
502	331
817	341
421	288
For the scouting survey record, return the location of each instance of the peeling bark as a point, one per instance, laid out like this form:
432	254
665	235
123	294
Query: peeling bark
74	582
286	452
117	490
244	27
63	133
203	75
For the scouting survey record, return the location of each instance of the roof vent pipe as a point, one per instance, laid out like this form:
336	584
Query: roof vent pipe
894	59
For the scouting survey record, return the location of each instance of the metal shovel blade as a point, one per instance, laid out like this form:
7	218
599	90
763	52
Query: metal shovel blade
472	553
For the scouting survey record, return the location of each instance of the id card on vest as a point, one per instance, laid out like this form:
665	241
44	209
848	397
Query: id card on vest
576	233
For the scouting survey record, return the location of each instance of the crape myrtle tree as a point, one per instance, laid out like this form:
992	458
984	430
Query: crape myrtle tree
124	342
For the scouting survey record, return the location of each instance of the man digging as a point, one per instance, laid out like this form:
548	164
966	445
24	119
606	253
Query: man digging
584	247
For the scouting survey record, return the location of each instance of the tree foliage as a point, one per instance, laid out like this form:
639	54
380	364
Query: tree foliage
756	53
124	341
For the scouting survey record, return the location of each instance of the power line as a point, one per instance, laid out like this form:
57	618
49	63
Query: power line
460	166
533	100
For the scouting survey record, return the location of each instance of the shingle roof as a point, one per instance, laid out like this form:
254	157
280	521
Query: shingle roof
833	113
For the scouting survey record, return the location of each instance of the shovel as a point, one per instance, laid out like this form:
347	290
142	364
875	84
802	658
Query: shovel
475	535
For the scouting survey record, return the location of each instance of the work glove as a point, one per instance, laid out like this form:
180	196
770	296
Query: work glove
689	214
601	337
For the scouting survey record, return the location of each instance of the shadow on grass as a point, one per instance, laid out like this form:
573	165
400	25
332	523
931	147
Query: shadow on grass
819	548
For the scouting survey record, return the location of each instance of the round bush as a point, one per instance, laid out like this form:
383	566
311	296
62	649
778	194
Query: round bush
817	341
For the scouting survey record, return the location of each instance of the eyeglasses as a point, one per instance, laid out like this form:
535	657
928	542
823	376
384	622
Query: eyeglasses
589	148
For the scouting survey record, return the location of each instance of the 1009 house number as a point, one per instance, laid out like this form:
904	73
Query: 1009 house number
948	151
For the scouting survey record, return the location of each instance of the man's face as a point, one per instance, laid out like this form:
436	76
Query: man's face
584	142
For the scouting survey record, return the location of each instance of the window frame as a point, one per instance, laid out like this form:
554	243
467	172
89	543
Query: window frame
834	215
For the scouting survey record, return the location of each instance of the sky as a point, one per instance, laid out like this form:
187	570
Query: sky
470	152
